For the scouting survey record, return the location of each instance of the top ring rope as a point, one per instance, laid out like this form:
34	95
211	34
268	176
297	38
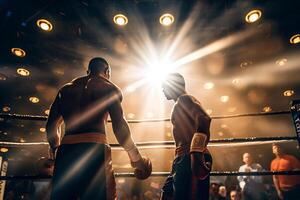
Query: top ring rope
44	118
170	144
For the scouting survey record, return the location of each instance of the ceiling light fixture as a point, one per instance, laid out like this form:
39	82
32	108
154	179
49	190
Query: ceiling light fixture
224	98
23	72
209	85
295	39
6	109
43	130
3	150
267	109
288	93
253	16
120	19
166	19
44	24
47	112
34	99
281	62
18	52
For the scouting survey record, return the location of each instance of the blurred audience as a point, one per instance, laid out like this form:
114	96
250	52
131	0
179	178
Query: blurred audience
252	186
287	186
235	195
222	193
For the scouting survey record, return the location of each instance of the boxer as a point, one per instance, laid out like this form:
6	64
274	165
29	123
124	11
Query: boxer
189	177
83	167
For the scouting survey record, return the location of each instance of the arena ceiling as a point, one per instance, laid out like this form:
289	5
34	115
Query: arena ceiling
232	66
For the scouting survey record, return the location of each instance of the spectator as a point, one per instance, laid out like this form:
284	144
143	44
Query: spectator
287	186
222	193
235	195
252	186
42	188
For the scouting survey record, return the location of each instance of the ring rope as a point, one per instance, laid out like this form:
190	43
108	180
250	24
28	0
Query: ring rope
167	144
160	174
44	118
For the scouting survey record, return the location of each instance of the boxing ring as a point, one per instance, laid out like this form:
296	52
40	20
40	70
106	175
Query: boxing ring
294	112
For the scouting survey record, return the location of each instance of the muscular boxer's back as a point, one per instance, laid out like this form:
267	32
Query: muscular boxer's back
185	121
84	104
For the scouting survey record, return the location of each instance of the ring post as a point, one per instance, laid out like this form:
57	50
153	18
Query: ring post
295	111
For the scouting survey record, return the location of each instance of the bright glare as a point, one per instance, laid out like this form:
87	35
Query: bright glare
166	19
253	16
120	19
224	98
209	85
156	72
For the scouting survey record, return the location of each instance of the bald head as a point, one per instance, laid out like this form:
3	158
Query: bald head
97	66
173	86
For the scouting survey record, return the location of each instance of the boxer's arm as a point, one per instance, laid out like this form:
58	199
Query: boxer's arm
122	131
53	124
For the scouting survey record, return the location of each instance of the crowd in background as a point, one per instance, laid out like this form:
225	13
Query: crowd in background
221	188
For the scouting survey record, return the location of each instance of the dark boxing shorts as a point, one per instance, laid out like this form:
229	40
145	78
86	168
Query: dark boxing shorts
84	171
181	184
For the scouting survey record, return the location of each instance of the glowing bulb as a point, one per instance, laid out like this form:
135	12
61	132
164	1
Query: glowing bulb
43	130
288	93
253	16
281	62
44	24
209	85
224	98
6	109
130	115
34	99
166	19
157	72
3	150
47	112
120	20
295	39
23	72
267	109
18	52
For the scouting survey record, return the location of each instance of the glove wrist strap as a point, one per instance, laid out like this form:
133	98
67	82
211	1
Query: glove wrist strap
134	154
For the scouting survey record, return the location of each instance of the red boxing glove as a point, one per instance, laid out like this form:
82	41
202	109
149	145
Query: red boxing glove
143	168
200	167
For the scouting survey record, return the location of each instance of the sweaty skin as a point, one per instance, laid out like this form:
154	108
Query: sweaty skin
188	117
83	105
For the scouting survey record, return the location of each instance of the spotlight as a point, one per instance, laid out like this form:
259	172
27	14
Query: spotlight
209	85
44	24
267	109
288	93
18	52
6	109
245	64
281	62
3	150
253	16
236	81
166	19
130	115
224	98
157	71
43	130
295	39
23	72
2	77
120	20
34	99
47	112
